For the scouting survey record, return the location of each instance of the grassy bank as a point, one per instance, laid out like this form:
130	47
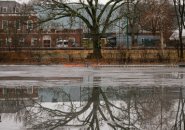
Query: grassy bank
147	56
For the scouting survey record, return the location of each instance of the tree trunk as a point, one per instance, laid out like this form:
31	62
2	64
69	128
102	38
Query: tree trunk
96	46
181	45
162	41
181	50
133	39
97	50
179	9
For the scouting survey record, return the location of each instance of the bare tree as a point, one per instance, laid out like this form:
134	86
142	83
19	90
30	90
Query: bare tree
96	16
180	15
157	17
132	13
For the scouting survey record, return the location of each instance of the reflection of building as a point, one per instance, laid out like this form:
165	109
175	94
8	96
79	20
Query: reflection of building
64	94
14	99
19	28
11	93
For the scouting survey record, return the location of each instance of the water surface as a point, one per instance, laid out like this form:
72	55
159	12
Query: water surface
81	98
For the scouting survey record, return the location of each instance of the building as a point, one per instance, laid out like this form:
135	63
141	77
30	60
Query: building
19	28
142	40
174	38
16	24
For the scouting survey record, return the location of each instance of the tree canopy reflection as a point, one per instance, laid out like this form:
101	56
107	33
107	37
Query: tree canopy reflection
92	113
102	107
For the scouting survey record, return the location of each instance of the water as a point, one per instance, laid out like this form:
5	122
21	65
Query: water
77	98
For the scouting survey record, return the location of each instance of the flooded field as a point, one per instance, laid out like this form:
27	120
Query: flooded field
82	98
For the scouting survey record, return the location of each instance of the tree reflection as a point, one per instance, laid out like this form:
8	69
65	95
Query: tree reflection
118	108
154	108
96	108
90	114
180	113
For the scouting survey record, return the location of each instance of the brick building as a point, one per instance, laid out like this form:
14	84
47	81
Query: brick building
19	28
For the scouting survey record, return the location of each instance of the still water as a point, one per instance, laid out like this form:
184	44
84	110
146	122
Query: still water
81	98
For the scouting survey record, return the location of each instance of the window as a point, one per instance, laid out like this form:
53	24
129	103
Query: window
21	41
8	91
33	41
4	10
142	40
1	41
72	42
4	24
71	39
30	90
15	10
8	40
58	39
29	24
5	91
1	91
17	24
47	43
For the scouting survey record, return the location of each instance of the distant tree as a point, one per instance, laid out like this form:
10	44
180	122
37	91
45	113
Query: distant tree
96	17
156	17
132	15
179	6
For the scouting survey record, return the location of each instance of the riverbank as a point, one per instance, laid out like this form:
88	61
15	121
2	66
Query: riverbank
79	57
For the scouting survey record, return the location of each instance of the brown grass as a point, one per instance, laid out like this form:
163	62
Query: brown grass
78	57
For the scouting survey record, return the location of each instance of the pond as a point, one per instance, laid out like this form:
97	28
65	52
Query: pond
81	98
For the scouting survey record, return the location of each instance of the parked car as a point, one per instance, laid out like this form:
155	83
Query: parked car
62	43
